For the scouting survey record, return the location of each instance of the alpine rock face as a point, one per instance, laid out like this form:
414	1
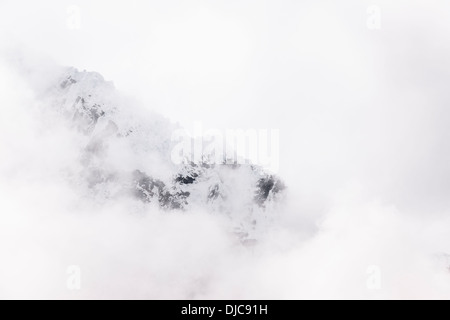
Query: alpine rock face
126	152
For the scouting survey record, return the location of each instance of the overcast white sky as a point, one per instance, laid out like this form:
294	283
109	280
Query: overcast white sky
356	108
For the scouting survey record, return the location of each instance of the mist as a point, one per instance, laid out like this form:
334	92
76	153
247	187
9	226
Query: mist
362	116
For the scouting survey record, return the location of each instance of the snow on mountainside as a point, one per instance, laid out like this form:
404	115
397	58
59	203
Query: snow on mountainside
125	154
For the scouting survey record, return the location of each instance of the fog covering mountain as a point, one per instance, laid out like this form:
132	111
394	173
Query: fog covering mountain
122	154
75	192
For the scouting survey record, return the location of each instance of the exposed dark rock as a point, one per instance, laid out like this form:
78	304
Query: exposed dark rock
213	192
266	186
148	190
147	187
67	82
186	179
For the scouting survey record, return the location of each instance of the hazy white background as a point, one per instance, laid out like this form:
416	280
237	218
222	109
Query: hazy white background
363	117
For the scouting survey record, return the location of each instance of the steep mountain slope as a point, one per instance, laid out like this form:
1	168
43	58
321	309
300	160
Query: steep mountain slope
126	153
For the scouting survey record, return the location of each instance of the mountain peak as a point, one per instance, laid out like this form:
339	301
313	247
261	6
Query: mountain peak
105	120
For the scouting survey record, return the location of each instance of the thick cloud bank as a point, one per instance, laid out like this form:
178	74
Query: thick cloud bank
364	152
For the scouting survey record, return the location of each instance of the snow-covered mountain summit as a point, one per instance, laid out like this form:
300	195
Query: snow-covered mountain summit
127	153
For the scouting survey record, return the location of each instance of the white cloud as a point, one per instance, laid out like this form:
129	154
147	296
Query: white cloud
362	117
